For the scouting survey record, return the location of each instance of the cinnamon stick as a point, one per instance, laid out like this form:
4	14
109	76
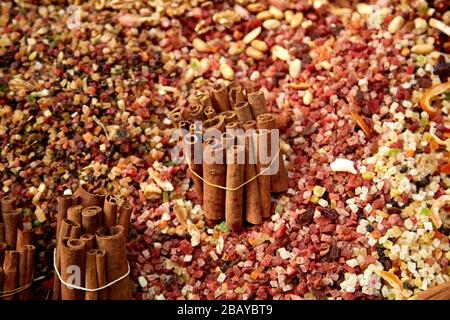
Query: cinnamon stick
12	220
7	204
64	202
1	277
100	259
91	274
220	98
73	257
30	249
253	209
195	112
193	147
209	112
89	199
26	263
74	213
217	123
439	292
234	200
90	218
278	179
112	241
260	140
243	111
3	248
89	240
251	87
214	171
10	272
2	232
176	116
229	116
24	237
124	217
205	99
257	103
110	211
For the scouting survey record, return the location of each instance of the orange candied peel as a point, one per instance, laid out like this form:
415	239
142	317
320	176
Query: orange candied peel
361	123
425	100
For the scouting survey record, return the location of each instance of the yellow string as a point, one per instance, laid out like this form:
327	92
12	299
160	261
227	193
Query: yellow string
243	184
9	293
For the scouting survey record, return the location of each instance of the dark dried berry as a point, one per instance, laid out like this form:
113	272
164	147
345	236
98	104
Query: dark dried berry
386	262
330	213
318	294
422	183
424	82
333	254
404	169
394	210
369	228
408	286
307	217
442	69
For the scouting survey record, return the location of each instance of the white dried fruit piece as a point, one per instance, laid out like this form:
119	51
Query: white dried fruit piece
259	45
255	54
189	76
200	45
152	192
271	24
288	15
277	13
294	68
181	214
441	26
296	20
364	9
307	98
165	185
204	65
252	35
226	71
280	53
396	24
420	25
194	233
343	165
425	48
5	42
226	18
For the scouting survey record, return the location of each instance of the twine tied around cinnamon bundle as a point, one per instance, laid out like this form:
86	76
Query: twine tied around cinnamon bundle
83	288
241	185
9	293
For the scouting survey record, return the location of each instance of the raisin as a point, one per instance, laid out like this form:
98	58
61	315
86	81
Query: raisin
422	183
404	169
307	217
408	286
394	210
424	82
330	213
386	262
369	228
442	69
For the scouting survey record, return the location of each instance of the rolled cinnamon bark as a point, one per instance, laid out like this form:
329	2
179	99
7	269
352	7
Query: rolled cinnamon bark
2	232
214	173
232	125
100	259
236	95
90	218
279	178
228	139
251	124
220	98
176	116
88	199
184	125
89	240
209	112
205	100
195	112
260	140
10	272
243	111
30	249
253	209
3	248
91	274
124	217
251	87
257	103
74	213
435	293
112	241
73	257
192	146
234	199
229	116
24	237
26	263
64	202
1	276
196	128
218	123
7	204
110	211
13	220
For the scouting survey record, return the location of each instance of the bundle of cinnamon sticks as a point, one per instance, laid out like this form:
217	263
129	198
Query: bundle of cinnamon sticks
16	253
233	190
92	230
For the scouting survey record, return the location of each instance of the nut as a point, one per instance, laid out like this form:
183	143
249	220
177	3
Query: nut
425	48
252	35
200	45
420	25
259	45
255	54
396	24
280	53
296	20
264	15
307	98
294	68
271	24
277	13
256	7
227	72
288	15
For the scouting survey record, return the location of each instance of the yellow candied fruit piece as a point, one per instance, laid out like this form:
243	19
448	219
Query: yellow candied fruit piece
447	255
333	203
395	193
368	175
388	244
396	232
314	199
319	191
382	213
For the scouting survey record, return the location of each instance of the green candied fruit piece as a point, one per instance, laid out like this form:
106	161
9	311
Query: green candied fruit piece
222	227
393	152
279	209
425	212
